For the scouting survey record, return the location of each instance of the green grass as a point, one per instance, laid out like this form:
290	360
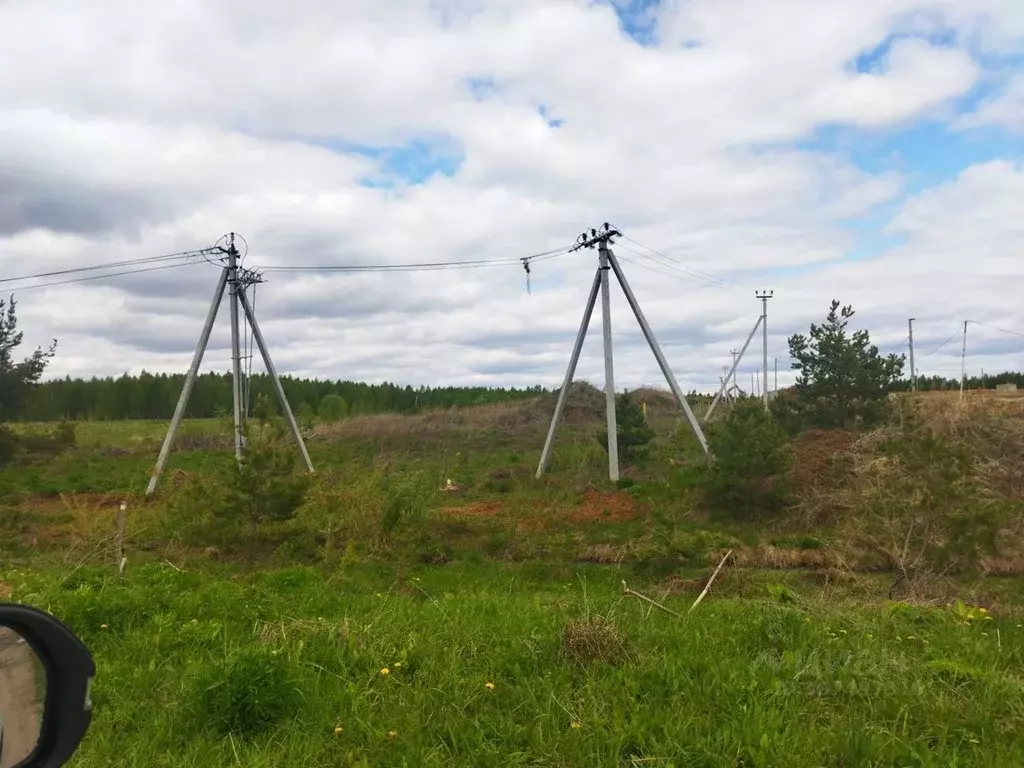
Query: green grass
776	679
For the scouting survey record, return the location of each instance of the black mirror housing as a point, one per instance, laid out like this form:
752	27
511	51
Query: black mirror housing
69	673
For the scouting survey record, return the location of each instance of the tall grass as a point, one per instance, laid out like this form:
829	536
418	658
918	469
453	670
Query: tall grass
483	669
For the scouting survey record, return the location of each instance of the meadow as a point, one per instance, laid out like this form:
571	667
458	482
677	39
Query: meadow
399	619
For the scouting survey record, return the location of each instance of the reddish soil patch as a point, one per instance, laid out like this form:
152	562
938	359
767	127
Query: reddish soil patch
5	591
613	507
478	509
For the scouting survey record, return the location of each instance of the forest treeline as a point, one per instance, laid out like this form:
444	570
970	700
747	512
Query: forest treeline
154	396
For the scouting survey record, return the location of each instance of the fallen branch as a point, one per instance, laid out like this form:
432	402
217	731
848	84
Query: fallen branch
710	581
633	593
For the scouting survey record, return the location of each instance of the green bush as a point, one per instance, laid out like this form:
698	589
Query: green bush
634	434
752	459
253	689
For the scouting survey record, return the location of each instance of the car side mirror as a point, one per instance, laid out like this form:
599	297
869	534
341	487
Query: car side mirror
46	674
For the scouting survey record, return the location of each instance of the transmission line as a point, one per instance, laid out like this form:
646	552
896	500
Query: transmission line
699	273
99	277
112	265
994	328
952	336
421	267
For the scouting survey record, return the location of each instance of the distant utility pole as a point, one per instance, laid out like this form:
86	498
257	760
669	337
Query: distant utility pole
737	355
602	239
963	361
913	371
764	296
234	279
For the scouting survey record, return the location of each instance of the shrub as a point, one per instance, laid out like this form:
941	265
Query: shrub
634	434
333	408
253	689
751	461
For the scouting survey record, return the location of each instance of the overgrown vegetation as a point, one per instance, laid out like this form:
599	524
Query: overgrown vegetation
633	432
748	477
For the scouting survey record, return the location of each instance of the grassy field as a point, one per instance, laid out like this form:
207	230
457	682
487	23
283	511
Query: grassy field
498	611
509	665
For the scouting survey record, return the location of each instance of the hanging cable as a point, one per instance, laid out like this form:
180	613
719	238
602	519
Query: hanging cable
422	267
701	274
19	289
955	333
111	265
994	328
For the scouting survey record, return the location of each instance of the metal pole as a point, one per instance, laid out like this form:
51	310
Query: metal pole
662	362
190	380
545	455
609	367
913	371
736	357
236	354
764	296
282	399
963	361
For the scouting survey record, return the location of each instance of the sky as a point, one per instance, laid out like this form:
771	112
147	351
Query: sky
870	152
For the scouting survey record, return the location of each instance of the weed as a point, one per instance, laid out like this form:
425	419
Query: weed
253	689
594	639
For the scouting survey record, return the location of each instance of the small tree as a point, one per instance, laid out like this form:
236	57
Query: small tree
752	459
842	375
633	431
16	378
263	488
332	408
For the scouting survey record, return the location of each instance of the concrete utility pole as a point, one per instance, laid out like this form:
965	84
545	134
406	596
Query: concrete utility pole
737	355
609	365
764	296
608	262
233	280
963	361
913	371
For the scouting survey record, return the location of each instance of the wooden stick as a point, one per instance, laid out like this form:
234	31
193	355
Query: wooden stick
710	581
632	593
122	561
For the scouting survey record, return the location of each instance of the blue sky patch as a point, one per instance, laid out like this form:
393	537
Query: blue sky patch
638	19
414	162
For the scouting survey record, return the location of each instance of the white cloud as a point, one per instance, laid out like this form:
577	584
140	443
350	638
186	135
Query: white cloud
132	130
1004	109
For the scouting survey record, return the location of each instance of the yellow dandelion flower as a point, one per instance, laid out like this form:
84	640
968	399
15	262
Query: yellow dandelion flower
489	686
575	725
393	734
983	610
103	626
338	730
385	672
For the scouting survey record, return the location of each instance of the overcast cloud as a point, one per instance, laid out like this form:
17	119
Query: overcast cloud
870	151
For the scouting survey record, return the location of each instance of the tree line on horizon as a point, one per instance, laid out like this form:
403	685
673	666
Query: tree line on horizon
154	396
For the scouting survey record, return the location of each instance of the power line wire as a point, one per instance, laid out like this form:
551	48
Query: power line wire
677	273
952	336
110	265
98	277
994	328
693	270
420	267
